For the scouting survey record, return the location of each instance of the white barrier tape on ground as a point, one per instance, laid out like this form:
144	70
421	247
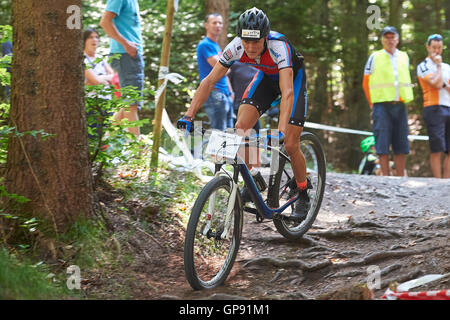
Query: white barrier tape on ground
401	291
189	162
345	130
424	295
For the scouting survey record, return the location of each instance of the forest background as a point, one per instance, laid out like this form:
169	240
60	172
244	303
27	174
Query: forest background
336	38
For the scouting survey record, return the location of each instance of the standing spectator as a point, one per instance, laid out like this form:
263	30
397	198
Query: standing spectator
218	107
434	78
7	50
240	76
97	72
122	23
387	86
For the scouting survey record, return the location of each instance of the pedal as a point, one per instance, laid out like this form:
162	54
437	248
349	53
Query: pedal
254	211
251	210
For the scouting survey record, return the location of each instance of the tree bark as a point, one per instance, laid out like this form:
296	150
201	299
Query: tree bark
48	94
395	14
222	7
437	9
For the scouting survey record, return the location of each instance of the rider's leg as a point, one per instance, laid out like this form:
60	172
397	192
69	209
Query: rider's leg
247	117
292	145
294	129
298	164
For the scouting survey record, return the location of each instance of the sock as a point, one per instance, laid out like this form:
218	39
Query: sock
302	185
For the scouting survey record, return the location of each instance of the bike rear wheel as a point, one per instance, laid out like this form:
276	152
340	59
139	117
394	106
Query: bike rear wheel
284	187
208	259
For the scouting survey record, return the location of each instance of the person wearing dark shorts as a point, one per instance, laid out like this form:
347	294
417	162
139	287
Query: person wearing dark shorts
434	78
121	22
390	126
387	86
281	71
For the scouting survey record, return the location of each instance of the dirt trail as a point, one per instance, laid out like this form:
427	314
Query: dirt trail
398	226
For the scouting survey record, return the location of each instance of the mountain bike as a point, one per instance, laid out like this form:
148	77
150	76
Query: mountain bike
215	225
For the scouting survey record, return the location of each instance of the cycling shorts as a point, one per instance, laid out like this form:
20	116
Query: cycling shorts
263	90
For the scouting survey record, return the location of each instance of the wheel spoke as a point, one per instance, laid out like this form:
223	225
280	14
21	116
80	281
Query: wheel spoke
208	257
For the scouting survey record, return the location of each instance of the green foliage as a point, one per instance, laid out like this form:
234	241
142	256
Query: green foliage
22	279
5	33
187	32
87	244
5	12
101	104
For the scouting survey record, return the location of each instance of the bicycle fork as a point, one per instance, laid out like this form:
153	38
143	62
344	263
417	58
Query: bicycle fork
228	214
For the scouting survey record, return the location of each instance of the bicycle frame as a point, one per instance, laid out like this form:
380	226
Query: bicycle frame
261	206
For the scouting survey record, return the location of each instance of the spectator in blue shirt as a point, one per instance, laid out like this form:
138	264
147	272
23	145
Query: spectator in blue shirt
122	23
219	106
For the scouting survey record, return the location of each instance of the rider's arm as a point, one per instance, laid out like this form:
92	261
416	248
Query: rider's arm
205	88
213	60
287	97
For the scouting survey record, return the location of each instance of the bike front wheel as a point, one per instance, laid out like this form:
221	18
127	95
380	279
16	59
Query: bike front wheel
209	255
284	187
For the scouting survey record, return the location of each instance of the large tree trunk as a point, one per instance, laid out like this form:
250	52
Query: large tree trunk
222	7
395	15
437	9
48	94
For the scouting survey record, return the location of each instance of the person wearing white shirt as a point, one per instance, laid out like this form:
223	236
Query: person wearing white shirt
434	78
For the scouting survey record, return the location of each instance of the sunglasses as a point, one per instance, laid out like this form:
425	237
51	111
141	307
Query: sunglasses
436	37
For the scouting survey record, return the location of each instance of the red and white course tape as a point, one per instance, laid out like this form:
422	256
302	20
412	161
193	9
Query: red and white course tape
424	295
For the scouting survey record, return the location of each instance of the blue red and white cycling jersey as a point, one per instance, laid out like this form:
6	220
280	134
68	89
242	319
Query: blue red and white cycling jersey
278	54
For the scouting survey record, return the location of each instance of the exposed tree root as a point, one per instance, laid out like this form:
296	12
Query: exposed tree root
151	237
409	276
389	269
308	241
363	233
365	224
383	255
292	263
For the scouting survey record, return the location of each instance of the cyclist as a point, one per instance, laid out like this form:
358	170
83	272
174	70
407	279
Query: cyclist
280	71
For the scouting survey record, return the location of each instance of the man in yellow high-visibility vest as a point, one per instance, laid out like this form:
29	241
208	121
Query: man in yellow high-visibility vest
387	86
